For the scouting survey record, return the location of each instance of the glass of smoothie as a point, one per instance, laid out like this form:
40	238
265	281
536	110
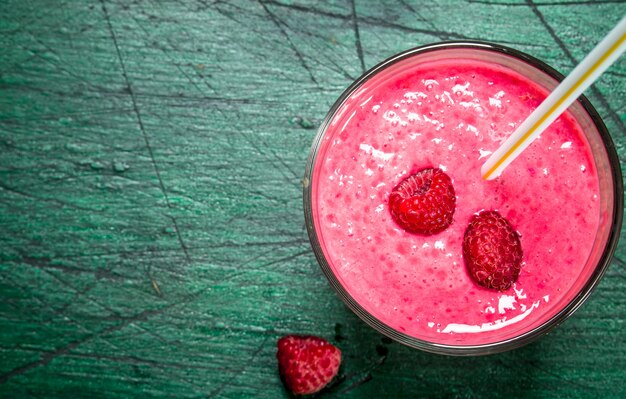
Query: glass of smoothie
447	107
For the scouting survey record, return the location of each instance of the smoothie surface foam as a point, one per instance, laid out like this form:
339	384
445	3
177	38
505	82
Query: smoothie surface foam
452	114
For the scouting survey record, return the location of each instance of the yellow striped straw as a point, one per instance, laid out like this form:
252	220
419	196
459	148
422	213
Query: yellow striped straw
581	77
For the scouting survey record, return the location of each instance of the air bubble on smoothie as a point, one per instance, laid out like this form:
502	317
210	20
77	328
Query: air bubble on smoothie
412	117
446	96
472	128
462	89
519	293
413	135
483	153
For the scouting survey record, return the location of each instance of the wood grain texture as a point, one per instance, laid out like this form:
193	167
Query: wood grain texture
152	242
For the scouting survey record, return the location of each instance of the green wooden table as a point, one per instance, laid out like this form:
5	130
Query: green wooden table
152	240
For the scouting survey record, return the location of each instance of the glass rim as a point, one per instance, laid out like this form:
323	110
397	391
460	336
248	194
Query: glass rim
525	337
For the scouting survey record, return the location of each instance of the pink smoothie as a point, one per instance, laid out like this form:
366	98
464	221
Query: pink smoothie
452	114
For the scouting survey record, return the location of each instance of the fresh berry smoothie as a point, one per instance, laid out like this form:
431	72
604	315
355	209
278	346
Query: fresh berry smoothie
451	113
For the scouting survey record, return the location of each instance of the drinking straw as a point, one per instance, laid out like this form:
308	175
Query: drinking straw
581	77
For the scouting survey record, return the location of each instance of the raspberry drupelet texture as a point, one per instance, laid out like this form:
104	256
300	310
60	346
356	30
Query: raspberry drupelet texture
307	363
424	202
492	251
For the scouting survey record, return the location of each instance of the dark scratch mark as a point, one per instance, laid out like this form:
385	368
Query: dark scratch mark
20	64
35	18
368	21
231	244
338	68
619	261
122	253
143	130
552	3
229	16
364	375
255	257
239	372
33	22
45	263
357	36
618	273
279	25
167	369
536	365
408	29
61	68
275	156
294	174
365	379
77	295
180	69
329	63
426	21
132	359
47	357
309	10
55	116
241	272
285	258
61	313
37	198
225	244
410	8
616	119
516	370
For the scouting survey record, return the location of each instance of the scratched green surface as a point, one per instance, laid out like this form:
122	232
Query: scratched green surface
152	242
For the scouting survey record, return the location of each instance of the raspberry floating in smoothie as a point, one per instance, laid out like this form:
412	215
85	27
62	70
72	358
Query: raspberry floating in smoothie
492	251
423	203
